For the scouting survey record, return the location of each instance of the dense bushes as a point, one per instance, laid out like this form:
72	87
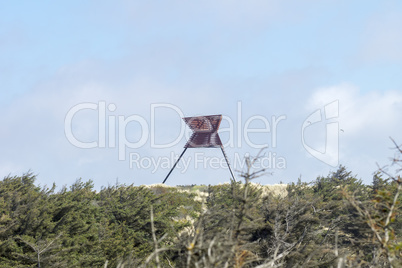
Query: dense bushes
334	221
80	227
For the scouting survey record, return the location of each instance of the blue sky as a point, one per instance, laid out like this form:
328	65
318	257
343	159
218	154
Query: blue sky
272	58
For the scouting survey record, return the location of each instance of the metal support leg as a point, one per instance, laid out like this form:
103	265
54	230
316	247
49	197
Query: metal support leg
174	165
227	162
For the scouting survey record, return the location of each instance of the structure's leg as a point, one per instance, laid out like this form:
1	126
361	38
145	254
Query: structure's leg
227	162
174	165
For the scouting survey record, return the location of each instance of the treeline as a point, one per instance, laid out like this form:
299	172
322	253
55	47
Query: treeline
79	227
334	221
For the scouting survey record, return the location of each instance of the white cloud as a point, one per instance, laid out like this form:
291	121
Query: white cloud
366	121
361	112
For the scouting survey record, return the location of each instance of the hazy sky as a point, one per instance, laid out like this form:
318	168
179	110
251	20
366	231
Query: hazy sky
97	89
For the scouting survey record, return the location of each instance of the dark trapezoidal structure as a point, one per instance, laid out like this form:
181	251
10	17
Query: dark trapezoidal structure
205	135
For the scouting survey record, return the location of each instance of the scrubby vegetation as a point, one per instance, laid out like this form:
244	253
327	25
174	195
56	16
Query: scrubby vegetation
333	221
